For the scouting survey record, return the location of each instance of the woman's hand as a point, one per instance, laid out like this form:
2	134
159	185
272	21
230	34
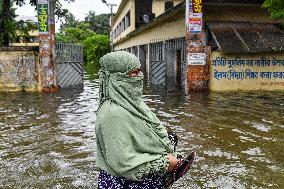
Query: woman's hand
173	162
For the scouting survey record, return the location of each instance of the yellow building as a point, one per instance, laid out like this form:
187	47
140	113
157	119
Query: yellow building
240	33
33	39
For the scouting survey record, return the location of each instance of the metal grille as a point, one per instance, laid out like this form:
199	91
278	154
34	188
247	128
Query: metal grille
183	68
70	70
158	63
174	44
179	44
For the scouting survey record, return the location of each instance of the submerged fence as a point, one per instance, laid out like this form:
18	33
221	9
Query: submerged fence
70	61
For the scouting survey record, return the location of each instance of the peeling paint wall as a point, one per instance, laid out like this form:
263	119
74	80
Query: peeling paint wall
19	70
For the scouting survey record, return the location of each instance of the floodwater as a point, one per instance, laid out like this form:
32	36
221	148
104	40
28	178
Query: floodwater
48	140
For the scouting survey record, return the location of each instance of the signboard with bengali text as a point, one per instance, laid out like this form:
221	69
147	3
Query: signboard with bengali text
43	16
194	15
196	59
246	72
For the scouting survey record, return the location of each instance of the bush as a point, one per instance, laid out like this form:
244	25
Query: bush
95	47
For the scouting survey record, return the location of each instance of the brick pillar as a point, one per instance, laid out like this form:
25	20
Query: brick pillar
197	55
197	75
46	27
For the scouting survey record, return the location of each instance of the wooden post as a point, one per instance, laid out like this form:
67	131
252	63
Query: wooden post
46	28
197	56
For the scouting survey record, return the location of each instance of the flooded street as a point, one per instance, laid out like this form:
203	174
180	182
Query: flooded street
48	141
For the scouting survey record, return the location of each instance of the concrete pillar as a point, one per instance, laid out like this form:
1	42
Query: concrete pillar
197	55
142	57
46	27
171	70
138	51
148	60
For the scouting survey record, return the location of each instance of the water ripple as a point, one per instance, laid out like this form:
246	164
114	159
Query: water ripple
48	140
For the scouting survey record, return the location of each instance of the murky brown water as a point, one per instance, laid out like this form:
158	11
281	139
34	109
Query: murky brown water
48	141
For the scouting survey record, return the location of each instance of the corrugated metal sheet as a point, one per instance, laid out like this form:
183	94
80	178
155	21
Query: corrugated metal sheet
245	37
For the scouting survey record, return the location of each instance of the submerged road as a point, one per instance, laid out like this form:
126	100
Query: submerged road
48	141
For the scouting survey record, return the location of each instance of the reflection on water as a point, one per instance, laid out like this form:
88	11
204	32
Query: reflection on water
238	137
48	141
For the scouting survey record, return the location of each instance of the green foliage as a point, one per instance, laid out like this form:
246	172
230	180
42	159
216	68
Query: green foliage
96	47
92	70
275	7
75	34
70	21
1	6
10	30
23	29
95	44
7	22
98	23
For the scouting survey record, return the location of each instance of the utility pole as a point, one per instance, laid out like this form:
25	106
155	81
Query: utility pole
47	55
110	5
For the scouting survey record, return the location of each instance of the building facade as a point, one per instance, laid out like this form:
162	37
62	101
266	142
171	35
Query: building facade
244	48
32	39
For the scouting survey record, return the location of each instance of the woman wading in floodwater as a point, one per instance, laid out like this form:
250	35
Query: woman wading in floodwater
133	148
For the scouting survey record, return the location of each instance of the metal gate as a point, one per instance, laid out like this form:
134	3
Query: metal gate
178	44
70	70
158	64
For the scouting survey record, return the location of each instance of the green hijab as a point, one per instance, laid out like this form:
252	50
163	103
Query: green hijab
129	135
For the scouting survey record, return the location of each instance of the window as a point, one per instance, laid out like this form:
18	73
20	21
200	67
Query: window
127	20
123	25
168	5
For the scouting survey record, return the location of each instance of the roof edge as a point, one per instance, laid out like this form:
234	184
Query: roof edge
160	19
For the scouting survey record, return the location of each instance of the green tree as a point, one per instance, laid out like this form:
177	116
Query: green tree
8	25
98	23
7	22
70	21
75	34
96	47
276	8
23	29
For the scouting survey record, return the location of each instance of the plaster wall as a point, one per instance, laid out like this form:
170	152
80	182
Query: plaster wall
158	6
247	72
19	70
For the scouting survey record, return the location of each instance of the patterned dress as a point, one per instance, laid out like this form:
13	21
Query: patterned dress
106	181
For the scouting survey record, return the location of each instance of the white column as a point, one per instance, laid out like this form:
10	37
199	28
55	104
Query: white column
148	60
